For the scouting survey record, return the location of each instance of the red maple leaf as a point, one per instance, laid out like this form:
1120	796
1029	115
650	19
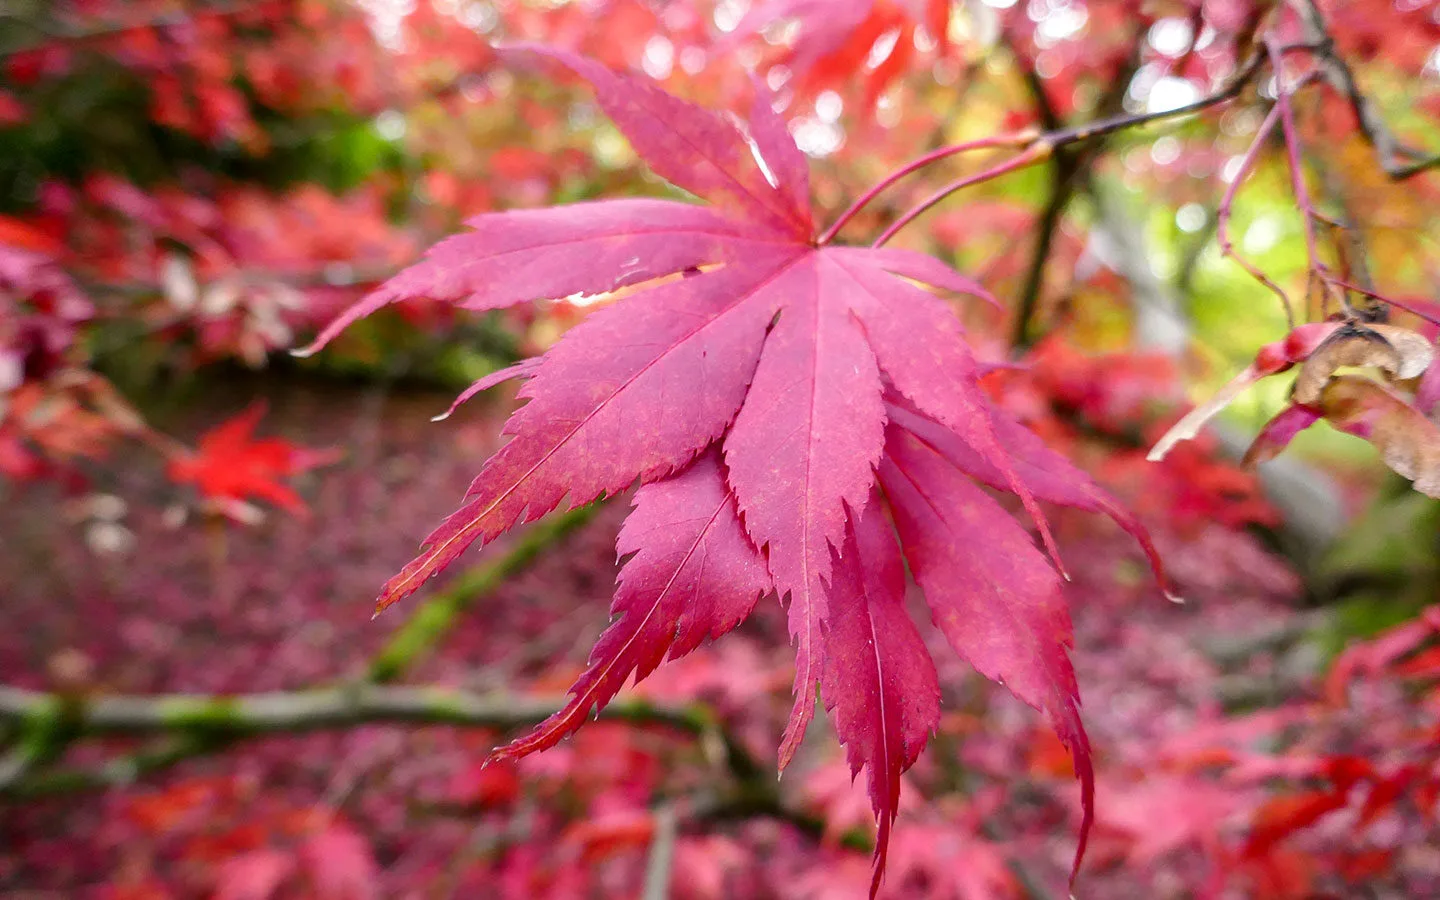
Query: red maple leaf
231	466
837	40
754	387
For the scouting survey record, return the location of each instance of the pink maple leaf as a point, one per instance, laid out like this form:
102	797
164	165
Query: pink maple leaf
753	380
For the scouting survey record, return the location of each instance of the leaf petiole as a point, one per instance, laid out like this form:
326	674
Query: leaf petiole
1018	139
1037	152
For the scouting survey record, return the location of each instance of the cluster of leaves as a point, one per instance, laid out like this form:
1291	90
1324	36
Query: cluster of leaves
577	818
805	420
1404	427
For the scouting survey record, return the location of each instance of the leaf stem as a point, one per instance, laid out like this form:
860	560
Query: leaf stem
1227	204
1036	152
1365	292
1017	140
1296	164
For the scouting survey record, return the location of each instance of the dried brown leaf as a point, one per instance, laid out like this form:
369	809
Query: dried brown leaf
1408	441
1399	352
1414	350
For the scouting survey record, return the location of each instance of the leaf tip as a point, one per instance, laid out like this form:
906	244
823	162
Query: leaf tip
442	417
304	352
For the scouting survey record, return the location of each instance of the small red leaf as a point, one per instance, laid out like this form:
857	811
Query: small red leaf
1279	432
231	465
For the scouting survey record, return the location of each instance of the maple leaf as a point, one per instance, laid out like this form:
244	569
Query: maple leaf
751	381
836	39
232	466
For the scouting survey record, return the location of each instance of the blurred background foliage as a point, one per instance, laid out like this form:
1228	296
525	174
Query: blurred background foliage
190	188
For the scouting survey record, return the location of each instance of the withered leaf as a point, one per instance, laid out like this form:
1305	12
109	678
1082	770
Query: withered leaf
1398	352
1408	442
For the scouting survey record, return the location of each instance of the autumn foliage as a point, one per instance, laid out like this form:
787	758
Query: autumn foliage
854	343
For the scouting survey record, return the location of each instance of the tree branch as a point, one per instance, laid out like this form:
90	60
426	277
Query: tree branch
249	715
428	623
1390	153
199	723
1065	172
1045	145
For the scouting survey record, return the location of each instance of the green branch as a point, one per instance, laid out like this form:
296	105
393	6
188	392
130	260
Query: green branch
290	712
193	724
437	615
203	722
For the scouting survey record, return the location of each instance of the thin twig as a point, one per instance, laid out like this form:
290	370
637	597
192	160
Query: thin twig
1398	304
1227	203
1389	151
1020	139
1297	167
1044	145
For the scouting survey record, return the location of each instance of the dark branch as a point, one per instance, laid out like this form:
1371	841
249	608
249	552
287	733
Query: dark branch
1066	170
1111	124
1390	153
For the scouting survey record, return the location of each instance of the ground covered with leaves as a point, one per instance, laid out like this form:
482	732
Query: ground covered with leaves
775	276
1211	721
